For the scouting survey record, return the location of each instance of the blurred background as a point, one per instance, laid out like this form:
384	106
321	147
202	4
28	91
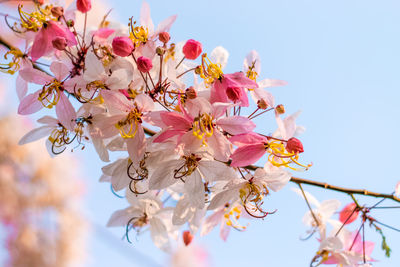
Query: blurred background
341	61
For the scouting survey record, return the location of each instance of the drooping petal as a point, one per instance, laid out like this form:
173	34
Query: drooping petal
35	134
176	121
137	145
211	222
122	217
247	154
247	139
194	188
159	234
220	145
65	112
22	87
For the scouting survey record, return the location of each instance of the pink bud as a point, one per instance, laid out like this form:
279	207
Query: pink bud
294	145
164	37
122	46
349	213
59	43
192	49
187	237
234	93
83	5
144	64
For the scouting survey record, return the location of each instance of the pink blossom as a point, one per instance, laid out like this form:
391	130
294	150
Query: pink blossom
42	44
349	213
231	87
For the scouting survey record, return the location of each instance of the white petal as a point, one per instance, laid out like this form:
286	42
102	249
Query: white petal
194	188
220	55
36	134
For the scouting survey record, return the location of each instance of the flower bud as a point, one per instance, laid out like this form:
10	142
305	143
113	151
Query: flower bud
144	64
280	109
261	104
40	2
198	70
293	145
57	11
164	37
160	51
192	49
83	5
122	46
59	43
70	23
234	93
349	213
191	93
187	237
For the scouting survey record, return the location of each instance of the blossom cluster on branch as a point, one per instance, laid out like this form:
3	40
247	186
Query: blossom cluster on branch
112	84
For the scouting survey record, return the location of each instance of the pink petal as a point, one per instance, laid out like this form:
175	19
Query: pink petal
218	92
35	134
236	124
176	121
103	33
246	155
21	86
238	79
40	45
65	112
220	145
164	136
30	104
59	69
137	145
247	138
145	18
32	75
165	25
116	101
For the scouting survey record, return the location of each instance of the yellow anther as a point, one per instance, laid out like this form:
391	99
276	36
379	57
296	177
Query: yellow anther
279	156
35	20
231	216
202	127
209	70
14	65
138	34
129	126
50	94
251	73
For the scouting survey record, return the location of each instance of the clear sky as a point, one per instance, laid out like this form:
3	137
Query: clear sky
341	60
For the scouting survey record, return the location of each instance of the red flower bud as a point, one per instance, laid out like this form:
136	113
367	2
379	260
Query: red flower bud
164	37
234	93
83	5
144	64
187	237
192	49
122	46
349	213
59	43
293	145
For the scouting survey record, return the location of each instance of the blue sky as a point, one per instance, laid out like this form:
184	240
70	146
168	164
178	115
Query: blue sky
341	60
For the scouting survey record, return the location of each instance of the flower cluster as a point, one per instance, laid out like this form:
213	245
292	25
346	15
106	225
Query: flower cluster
186	126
